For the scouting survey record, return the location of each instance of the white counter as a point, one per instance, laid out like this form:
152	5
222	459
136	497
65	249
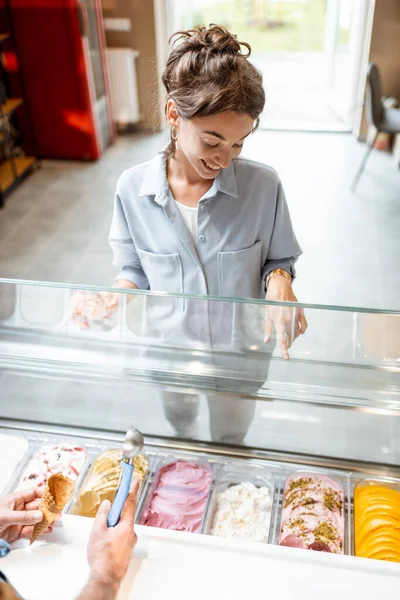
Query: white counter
171	565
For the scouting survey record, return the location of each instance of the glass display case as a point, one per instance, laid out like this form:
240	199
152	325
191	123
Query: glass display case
79	366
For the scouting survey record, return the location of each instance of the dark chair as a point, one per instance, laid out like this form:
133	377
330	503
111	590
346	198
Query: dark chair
383	119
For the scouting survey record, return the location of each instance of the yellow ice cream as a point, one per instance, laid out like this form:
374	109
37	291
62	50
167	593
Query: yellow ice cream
102	481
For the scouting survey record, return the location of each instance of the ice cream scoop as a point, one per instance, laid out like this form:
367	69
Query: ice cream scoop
133	445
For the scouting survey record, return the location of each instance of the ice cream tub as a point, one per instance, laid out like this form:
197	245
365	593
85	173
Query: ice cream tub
178	494
14	452
376	518
102	478
314	512
66	457
241	503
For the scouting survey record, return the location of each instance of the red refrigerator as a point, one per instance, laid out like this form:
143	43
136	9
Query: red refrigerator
60	49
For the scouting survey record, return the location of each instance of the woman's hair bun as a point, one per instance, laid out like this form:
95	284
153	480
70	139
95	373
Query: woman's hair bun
214	39
207	73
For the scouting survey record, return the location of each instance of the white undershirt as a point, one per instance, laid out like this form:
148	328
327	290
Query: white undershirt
189	215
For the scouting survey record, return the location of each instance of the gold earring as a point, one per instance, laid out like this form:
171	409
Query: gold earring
174	137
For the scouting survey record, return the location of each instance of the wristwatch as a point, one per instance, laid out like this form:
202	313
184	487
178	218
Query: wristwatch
278	272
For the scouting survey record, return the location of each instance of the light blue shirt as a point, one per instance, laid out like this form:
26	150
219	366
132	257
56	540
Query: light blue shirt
244	231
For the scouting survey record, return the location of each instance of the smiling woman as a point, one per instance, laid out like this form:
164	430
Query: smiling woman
197	219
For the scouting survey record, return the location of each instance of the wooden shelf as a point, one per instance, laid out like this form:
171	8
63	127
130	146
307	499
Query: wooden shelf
22	164
12	170
11	104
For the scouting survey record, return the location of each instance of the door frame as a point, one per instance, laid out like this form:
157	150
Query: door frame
346	105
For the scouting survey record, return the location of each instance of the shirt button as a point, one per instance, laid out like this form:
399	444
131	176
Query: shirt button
201	238
203	208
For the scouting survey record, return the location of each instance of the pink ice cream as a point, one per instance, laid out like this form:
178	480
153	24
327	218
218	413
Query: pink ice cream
312	513
65	459
91	310
180	497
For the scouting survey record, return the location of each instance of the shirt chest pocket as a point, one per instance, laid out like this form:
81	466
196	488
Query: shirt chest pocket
165	274
163	271
240	272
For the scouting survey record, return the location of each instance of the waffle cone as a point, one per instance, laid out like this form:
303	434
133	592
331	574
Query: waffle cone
58	492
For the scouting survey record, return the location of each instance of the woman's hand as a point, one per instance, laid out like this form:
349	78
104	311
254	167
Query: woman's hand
289	322
19	512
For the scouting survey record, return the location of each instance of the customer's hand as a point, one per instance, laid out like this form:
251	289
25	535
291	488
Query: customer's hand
19	513
110	549
289	322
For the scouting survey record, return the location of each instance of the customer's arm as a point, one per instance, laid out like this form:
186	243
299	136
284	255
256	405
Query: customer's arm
97	589
7	592
110	550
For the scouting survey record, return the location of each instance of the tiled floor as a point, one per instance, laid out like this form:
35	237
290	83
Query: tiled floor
55	228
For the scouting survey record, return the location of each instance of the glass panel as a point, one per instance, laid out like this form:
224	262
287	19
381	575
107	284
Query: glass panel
198	368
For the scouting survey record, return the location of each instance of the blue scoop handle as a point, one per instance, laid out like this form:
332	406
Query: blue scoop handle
4	548
121	495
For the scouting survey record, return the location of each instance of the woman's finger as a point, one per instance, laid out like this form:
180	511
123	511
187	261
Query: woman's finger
287	324
268	326
297	325
282	341
302	321
288	336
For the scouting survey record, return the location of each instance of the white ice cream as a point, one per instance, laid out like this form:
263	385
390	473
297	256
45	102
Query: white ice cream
243	511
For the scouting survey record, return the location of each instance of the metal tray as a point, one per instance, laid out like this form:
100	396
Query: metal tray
233	473
340	476
149	453
356	479
20	465
166	460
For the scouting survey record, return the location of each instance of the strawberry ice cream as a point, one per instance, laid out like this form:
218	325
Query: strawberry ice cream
179	497
94	311
65	459
312	513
